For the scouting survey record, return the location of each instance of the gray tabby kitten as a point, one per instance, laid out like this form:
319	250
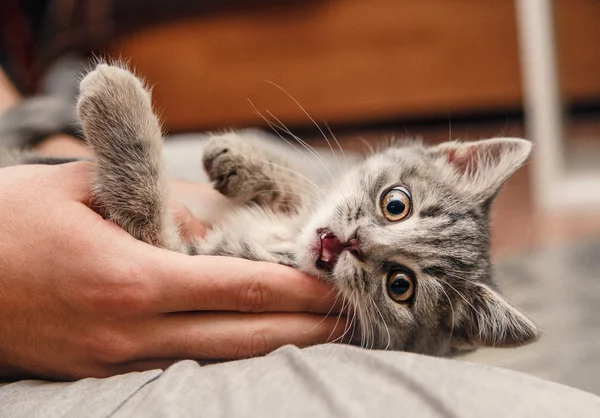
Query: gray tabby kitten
403	234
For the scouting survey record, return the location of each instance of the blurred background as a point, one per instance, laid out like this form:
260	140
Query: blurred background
369	70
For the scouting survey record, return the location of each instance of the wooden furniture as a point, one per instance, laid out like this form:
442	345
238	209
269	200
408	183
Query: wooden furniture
354	61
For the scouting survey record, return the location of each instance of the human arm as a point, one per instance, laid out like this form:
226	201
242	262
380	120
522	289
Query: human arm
79	297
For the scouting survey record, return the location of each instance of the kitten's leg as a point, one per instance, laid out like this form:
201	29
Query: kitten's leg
244	247
246	170
131	187
254	234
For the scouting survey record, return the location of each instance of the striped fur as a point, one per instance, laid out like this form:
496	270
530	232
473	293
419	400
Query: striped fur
281	202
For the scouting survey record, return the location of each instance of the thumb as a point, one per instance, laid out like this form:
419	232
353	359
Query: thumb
189	227
75	180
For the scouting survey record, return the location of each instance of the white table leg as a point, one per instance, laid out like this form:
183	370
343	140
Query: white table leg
554	187
541	90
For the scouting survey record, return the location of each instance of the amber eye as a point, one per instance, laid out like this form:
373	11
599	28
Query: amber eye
395	204
400	286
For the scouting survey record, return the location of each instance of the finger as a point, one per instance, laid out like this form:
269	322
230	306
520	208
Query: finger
235	336
189	227
75	180
211	283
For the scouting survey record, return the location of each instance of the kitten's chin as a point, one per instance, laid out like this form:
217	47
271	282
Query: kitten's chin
309	253
307	263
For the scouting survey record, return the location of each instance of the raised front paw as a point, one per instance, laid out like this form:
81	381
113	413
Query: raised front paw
226	164
115	107
111	89
248	172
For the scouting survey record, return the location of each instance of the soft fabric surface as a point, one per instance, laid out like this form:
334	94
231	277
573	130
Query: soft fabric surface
323	381
559	288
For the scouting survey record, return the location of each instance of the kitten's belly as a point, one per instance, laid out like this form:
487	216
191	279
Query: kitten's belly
262	229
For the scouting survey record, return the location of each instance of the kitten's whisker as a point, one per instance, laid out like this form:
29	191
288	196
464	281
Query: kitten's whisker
367	144
361	323
368	327
294	172
288	142
373	333
456	274
371	341
350	316
352	305
389	337
481	318
327	295
452	314
337	142
328	313
347	326
460	294
287	130
304	143
338	319
310	149
354	317
305	112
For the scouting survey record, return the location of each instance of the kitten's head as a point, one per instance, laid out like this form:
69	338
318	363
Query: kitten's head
404	236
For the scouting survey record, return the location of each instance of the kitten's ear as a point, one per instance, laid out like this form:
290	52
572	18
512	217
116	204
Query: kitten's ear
488	320
484	166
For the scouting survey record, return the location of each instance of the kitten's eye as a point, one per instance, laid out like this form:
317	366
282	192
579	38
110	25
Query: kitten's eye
396	204
400	286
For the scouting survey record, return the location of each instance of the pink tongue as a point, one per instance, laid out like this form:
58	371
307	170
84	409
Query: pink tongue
331	248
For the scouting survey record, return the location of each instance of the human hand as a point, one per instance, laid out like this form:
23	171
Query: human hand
79	297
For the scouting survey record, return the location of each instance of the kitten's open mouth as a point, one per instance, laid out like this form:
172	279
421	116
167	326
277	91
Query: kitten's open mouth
329	250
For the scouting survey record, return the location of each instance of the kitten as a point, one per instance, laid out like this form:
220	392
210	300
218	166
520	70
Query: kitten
402	234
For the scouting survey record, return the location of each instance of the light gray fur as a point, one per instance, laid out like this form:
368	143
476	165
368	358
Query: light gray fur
34	119
120	127
281	201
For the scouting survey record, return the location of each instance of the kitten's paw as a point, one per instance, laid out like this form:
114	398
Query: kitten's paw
110	94
244	170
110	81
217	162
227	164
